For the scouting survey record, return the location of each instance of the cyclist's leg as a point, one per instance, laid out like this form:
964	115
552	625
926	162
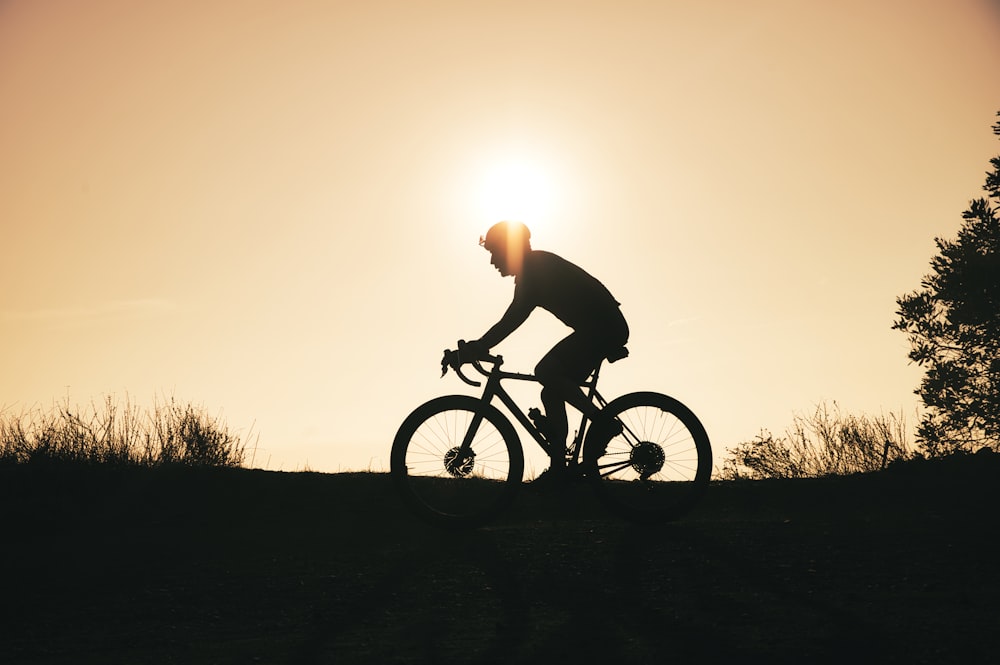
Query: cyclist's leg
560	372
572	360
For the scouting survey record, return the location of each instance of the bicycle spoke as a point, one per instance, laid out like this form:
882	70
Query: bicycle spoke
608	469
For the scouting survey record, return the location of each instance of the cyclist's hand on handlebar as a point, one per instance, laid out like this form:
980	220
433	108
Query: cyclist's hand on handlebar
467	352
471	351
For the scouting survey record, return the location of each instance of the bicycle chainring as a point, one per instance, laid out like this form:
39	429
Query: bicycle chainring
458	465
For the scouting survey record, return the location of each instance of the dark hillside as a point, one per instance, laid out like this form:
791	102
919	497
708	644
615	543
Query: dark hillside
235	566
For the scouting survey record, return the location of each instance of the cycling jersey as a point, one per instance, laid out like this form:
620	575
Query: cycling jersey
567	291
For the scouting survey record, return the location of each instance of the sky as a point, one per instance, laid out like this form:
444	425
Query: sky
271	209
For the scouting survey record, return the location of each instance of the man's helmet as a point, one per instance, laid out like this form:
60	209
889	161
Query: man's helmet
504	235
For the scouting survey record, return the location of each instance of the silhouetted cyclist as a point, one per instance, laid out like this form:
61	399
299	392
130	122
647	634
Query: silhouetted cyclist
543	279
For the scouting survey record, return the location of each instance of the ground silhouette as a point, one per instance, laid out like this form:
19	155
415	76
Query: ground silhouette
234	566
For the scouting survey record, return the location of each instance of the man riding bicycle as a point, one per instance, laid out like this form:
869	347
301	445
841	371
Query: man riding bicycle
543	279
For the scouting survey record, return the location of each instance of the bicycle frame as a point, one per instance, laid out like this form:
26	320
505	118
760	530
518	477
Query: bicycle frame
494	388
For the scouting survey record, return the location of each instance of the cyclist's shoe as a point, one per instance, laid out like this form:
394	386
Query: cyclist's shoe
601	434
550	480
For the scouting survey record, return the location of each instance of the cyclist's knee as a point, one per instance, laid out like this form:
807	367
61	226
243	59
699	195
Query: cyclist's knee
551	395
545	372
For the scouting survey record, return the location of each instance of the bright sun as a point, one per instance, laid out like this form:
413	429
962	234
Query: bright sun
516	189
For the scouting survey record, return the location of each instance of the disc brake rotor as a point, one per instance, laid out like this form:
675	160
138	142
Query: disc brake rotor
457	464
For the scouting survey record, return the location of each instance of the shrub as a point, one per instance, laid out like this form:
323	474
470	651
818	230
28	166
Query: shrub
825	443
120	434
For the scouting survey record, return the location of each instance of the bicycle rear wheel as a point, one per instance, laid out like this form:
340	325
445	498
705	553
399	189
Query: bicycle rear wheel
657	467
449	483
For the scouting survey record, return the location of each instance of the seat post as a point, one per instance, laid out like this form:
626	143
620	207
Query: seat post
592	382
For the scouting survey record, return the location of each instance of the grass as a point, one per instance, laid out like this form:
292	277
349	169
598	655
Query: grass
222	565
119	433
823	443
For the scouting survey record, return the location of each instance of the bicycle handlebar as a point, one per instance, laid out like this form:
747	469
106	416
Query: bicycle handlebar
465	379
455	360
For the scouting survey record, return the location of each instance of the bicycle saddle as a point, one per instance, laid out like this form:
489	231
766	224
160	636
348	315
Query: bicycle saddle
618	354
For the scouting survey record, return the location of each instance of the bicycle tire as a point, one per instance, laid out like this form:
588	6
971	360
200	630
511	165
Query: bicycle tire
658	467
442	489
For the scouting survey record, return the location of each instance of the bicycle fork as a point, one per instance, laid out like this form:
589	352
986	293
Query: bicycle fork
463	459
460	461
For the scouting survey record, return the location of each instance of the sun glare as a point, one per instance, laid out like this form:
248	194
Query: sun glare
516	190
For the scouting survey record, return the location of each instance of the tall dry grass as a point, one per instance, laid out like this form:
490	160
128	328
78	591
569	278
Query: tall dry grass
826	442
119	433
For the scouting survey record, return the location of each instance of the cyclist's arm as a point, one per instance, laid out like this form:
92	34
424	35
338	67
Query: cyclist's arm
516	314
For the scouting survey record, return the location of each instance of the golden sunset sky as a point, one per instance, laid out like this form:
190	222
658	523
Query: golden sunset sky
271	208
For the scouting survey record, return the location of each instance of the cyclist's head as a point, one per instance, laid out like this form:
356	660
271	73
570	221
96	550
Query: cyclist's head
507	242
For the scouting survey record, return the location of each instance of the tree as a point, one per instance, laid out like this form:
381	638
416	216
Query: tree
953	326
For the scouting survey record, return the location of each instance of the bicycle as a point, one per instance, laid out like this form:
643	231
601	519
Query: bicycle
457	460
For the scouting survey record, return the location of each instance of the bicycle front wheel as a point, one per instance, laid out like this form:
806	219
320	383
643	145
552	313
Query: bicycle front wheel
649	457
457	461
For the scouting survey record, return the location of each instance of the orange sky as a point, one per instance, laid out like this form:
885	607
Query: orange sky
271	209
